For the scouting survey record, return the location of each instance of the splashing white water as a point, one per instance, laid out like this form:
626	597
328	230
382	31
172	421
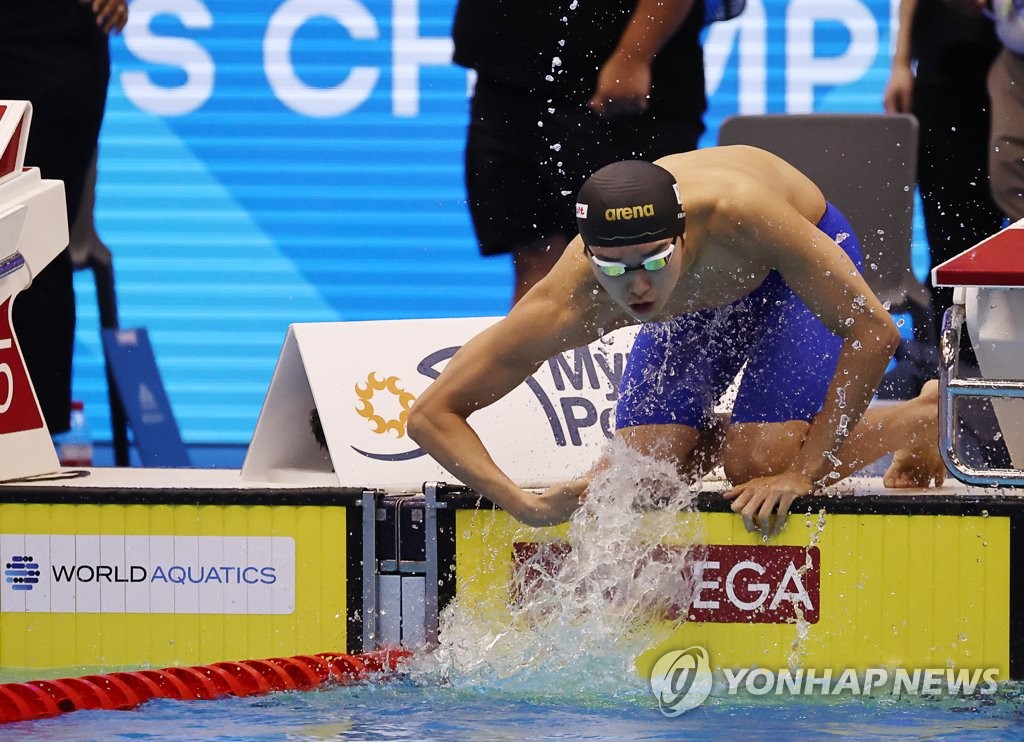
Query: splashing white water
583	610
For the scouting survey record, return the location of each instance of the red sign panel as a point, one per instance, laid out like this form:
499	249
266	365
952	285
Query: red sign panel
18	407
717	583
996	261
9	151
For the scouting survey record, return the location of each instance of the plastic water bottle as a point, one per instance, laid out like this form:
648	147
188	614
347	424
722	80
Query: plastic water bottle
74	447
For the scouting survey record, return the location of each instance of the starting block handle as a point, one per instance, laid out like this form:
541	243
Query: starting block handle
11	263
952	386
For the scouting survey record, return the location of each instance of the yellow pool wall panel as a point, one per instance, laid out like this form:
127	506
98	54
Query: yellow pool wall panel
317	623
896	591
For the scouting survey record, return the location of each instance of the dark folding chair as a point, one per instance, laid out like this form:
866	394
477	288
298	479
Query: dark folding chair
866	164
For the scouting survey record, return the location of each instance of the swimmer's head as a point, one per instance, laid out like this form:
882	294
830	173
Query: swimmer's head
629	203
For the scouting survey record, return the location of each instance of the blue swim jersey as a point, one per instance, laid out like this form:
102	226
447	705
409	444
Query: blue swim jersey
679	369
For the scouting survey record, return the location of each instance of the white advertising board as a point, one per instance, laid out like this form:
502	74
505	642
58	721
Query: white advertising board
363	377
99	573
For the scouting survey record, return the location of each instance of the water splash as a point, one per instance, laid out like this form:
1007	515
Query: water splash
797	650
582	611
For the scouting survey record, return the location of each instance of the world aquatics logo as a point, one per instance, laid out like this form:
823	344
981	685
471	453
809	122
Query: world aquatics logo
21	572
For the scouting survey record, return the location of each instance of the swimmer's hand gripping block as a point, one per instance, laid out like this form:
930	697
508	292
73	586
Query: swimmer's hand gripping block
33	231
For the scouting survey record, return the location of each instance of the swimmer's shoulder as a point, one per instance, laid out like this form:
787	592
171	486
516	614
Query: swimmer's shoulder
724	181
570	303
734	159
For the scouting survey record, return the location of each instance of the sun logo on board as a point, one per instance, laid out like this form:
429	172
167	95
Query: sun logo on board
365	407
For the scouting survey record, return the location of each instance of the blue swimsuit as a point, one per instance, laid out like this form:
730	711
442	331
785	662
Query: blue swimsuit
678	370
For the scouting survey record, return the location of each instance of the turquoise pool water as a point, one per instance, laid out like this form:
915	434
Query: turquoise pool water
401	710
560	665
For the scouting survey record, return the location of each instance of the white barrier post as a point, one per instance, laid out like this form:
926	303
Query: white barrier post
33	231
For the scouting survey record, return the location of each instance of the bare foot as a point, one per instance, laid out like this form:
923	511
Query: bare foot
920	463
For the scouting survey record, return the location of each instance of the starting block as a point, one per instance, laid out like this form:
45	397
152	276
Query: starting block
988	296
33	231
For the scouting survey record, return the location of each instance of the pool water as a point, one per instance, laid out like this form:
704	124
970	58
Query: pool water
559	664
401	710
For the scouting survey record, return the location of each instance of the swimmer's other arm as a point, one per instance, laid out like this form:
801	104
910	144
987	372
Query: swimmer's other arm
831	287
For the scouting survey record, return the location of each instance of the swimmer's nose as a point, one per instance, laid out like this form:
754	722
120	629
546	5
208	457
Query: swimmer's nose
639	284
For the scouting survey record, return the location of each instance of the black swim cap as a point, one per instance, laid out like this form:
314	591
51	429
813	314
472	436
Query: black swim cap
627	203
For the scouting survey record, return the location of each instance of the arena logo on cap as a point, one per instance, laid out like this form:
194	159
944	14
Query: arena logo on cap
621	213
581	211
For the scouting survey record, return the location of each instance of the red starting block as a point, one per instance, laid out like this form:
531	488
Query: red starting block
988	296
33	231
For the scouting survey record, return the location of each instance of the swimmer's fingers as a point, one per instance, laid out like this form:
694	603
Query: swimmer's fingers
764	503
769	518
781	513
557	503
747	504
765	520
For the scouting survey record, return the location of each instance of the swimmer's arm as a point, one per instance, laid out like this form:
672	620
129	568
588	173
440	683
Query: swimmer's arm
769	228
829	284
486	369
476	376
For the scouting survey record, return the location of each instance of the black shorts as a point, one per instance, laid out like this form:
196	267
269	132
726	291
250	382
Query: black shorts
526	158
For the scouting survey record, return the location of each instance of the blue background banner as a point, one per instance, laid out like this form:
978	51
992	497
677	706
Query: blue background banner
264	163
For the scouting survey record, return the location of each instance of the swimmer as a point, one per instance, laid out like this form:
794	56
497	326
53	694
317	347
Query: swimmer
758	272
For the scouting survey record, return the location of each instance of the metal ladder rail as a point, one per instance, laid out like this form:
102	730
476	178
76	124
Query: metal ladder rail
951	386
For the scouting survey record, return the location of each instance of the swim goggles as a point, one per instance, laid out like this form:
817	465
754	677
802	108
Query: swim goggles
614	268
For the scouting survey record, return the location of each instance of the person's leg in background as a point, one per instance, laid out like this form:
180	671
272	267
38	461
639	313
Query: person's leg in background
56	56
1006	154
522	178
953	175
44	314
513	205
959	210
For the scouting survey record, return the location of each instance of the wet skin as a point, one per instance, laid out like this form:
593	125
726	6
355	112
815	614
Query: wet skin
747	213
